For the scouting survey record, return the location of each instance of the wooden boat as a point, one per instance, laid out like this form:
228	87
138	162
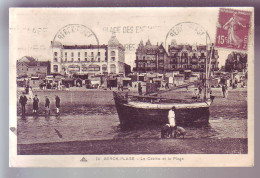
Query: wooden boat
139	110
147	109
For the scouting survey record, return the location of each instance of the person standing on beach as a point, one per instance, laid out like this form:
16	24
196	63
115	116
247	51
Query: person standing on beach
30	93
224	91
171	120
23	101
35	104
57	98
139	89
47	106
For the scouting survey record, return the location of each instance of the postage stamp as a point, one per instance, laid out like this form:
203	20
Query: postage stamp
131	87
233	29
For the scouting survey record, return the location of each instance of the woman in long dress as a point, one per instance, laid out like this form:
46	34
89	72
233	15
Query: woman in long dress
232	25
35	104
30	93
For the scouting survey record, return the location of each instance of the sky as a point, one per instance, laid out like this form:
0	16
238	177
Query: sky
31	30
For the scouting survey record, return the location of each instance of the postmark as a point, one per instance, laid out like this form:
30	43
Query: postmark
76	36
233	29
181	33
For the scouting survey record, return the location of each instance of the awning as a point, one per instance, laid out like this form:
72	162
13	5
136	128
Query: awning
126	78
68	79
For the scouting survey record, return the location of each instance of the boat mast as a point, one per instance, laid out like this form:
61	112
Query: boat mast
206	70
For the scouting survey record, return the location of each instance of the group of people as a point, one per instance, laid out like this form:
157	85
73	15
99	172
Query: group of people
23	101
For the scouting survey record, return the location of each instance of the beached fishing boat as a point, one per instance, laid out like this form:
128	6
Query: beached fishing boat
149	109
145	109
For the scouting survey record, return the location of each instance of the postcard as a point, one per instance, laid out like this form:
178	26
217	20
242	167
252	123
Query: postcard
131	87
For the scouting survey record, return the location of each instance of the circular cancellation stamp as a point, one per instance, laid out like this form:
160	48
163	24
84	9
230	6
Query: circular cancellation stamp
233	29
76	36
187	33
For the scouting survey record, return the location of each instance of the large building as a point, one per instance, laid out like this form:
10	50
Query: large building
151	58
29	67
88	59
178	58
191	57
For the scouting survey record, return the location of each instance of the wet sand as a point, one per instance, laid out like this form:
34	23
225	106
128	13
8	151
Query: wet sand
139	146
85	113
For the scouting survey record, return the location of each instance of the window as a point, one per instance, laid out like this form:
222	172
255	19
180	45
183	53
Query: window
55	68
65	54
86	54
86	59
143	57
92	59
112	68
104	67
72	59
78	54
78	59
84	68
72	54
113	53
99	59
98	53
92	54
113	59
55	54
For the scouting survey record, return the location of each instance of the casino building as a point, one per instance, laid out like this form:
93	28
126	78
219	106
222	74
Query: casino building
88	59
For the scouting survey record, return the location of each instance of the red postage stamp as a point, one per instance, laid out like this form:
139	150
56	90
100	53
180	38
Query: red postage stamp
233	29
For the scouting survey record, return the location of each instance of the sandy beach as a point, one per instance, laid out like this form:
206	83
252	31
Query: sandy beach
88	124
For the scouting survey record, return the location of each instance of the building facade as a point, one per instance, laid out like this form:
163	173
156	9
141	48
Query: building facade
191	57
178	58
29	67
88	59
151	58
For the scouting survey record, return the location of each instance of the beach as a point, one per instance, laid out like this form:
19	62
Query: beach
88	124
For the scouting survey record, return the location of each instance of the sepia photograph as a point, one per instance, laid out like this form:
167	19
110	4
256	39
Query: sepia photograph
128	87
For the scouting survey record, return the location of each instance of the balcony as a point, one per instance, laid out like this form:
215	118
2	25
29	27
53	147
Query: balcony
173	62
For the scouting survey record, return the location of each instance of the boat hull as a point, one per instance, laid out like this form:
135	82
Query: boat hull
186	114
